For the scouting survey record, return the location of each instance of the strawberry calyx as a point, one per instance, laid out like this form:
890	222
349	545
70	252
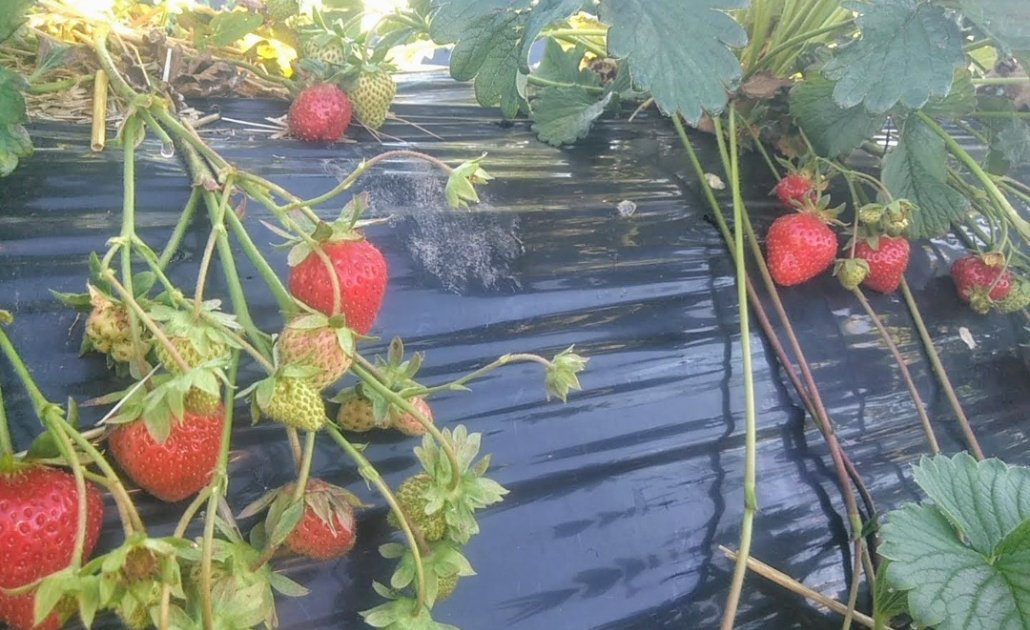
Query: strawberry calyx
443	565
397	375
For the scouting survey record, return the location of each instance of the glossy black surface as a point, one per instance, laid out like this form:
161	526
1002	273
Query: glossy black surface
619	498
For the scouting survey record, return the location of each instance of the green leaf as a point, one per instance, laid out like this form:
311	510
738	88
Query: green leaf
565	115
1007	21
12	16
230	27
12	103
44	447
985	500
563	66
678	50
14	139
908	52
142	283
286	586
951	586
286	523
916	169
489	54
1012	141
832	130
961	100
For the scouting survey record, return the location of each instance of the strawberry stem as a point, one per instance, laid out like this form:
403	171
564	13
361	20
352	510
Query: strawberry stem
64	445
147	321
368	471
732	166
303	474
940	372
130	134
217	229
172	246
286	302
365	371
6	444
924	419
471	376
361	169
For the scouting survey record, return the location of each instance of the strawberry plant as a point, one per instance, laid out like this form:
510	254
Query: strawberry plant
804	86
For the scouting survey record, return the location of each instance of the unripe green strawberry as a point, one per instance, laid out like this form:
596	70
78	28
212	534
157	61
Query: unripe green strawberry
281	10
445	586
329	52
1017	299
189	353
407	423
411	496
199	401
371	98
318	347
296	403
108	328
135	614
851	272
356	415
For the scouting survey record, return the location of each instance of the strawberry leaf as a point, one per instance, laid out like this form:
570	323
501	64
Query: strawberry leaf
285	586
12	16
229	27
961	100
832	130
916	169
14	140
492	40
678	50
286	523
566	114
565	66
978	528
908	52
51	590
1007	21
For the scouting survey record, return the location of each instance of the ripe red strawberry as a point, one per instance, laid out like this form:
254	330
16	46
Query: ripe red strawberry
800	246
362	274
321	112
887	263
38	522
406	423
979	283
795	187
328	528
178	467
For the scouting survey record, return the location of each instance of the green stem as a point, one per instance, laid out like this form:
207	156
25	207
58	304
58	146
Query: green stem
976	45
1001	81
164	616
1009	212
761	12
574	32
278	190
131	131
64	445
368	471
219	480
282	296
597	49
998	115
121	87
362	168
471	376
856	580
172	246
924	419
750	458
217	215
57	86
131	521
542	82
147	321
942	374
303	473
6	443
364	370
283	81
189	134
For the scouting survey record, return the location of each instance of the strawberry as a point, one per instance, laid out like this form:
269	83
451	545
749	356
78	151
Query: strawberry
372	96
202	345
413	500
281	10
328	528
980	284
445	586
311	340
887	259
1017	299
322	49
794	189
177	467
407	423
38	523
108	329
292	401
356	415
321	112
851	272
362	272
800	246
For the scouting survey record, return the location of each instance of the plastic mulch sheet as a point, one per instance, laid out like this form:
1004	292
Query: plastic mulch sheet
618	499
